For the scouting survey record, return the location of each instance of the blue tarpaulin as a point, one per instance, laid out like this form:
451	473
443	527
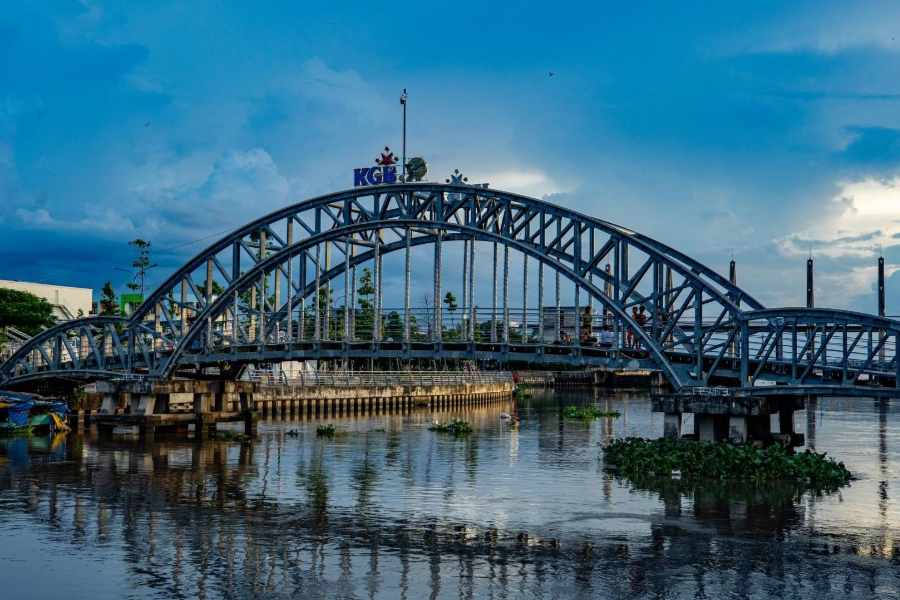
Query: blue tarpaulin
18	413
21	405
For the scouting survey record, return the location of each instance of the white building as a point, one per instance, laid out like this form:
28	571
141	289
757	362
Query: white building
66	301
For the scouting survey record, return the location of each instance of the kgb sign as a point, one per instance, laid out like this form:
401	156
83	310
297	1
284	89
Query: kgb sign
384	171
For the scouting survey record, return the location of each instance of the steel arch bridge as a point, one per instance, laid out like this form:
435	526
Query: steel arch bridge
264	293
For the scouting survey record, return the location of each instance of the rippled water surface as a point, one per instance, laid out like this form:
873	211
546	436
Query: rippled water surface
388	509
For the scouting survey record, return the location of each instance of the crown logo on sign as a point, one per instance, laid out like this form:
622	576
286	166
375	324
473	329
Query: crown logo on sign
387	158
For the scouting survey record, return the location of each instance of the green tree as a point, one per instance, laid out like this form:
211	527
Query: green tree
25	311
393	326
450	301
365	298
141	265
484	330
329	323
217	289
109	306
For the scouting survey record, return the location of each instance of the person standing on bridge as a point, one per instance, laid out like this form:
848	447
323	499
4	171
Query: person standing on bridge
641	319
631	343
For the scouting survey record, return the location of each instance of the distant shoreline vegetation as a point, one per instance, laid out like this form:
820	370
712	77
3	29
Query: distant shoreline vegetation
665	457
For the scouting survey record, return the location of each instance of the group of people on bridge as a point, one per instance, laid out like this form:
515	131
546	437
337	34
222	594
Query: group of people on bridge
607	337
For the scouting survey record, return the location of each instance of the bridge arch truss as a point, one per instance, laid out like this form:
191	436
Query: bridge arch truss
266	292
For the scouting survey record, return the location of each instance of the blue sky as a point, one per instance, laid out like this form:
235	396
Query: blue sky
769	128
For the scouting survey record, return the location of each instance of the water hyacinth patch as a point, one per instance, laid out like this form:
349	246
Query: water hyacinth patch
640	457
230	435
326	430
456	427
588	413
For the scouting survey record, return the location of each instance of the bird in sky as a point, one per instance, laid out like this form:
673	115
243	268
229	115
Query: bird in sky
550	73
145	124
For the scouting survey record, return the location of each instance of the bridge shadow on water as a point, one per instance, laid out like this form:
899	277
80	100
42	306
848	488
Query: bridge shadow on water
387	509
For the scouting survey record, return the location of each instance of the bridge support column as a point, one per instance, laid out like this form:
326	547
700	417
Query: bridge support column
110	404
786	421
705	427
759	427
737	429
149	404
672	426
201	429
147	433
250	420
203	402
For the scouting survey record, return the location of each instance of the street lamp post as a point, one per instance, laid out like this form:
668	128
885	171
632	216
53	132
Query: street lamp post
403	102
142	273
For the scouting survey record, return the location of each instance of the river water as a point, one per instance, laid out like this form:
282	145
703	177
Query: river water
388	509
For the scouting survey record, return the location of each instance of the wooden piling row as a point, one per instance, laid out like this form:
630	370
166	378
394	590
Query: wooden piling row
319	407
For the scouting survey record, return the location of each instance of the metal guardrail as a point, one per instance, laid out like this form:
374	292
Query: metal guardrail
132	377
381	378
713	391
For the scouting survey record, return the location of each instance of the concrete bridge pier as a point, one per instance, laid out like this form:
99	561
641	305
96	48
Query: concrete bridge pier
148	406
672	425
738	419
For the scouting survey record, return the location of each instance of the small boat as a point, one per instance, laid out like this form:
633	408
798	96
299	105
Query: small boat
23	413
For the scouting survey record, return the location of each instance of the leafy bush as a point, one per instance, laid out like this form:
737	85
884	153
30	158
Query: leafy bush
636	456
456	427
588	413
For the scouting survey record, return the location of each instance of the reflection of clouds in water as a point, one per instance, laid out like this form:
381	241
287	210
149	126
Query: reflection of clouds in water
365	513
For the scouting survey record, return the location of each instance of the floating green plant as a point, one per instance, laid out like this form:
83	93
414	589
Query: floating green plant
640	457
230	435
326	430
588	413
456	427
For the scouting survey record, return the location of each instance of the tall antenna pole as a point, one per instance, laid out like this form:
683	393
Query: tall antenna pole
403	102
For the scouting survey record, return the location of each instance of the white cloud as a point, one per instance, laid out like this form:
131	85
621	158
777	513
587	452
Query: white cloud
863	217
346	89
830	28
242	185
835	287
531	182
108	221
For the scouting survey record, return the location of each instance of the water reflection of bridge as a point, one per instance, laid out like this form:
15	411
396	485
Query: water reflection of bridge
213	520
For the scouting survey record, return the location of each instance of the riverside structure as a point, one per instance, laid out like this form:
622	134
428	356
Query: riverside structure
280	272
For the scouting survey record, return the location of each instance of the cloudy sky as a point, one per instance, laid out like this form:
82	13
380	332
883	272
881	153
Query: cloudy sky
767	129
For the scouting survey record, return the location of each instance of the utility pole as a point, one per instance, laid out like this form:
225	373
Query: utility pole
810	288
403	102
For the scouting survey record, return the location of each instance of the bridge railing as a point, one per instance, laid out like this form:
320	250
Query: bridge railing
349	379
526	326
821	344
